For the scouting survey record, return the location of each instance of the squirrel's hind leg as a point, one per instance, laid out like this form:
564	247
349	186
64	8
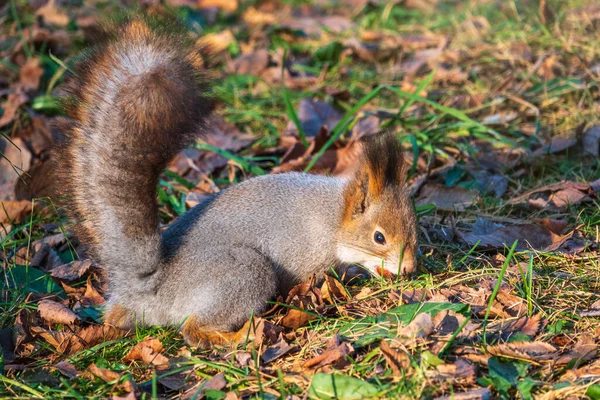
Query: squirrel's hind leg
119	316
244	288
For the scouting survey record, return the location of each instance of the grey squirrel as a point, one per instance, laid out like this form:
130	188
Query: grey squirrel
134	103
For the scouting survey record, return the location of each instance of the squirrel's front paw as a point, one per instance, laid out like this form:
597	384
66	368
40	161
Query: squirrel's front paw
201	336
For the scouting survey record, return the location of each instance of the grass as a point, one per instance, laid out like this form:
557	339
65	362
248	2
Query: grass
551	92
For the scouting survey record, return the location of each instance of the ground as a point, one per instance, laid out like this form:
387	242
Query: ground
497	105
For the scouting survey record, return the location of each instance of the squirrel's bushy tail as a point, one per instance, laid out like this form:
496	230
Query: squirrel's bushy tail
134	102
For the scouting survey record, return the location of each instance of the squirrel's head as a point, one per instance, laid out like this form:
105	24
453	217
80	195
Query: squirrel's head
379	226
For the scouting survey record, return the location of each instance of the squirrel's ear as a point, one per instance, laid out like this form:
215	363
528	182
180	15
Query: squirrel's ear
383	162
381	166
356	195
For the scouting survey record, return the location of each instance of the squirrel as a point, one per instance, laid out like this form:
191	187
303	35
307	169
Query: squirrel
137	100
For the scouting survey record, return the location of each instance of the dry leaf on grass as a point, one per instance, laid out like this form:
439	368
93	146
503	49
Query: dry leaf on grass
335	354
70	342
445	198
217	382
30	74
149	351
584	350
397	360
313	115
461	372
56	313
420	327
14	211
109	376
497	236
591	371
557	196
530	351
447	322
473	394
591	141
277	350
72	271
91	297
52	14
67	369
529	326
10	107
252	63
333	291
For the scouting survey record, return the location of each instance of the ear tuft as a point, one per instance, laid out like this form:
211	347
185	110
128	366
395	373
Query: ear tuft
381	166
384	162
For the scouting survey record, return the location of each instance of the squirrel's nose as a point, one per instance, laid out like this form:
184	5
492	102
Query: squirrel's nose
409	263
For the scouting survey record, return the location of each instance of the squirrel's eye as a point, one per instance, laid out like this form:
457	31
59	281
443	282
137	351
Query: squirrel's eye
379	238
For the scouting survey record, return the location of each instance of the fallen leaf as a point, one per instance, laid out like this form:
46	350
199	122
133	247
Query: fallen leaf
72	271
252	63
312	116
557	196
56	313
109	376
445	198
225	5
333	291
149	351
591	371
591	141
295	319
52	14
91	297
447	322
420	327
14	212
530	351
584	350
30	74
69	342
530	236
398	361
335	354
214	43
473	394
15	161
525	325
67	369
461	372
277	350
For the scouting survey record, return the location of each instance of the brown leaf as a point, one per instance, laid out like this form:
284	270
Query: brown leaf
591	371
30	74
447	322
529	326
473	394
335	354
14	211
296	319
313	115
445	198
67	369
398	361
461	372
530	351
591	141
557	196
149	351
420	327
225	5
109	376
52	14
492	235
279	349
71	271
333	291
91	297
584	350
214	43
56	313
15	161
252	63
70	342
